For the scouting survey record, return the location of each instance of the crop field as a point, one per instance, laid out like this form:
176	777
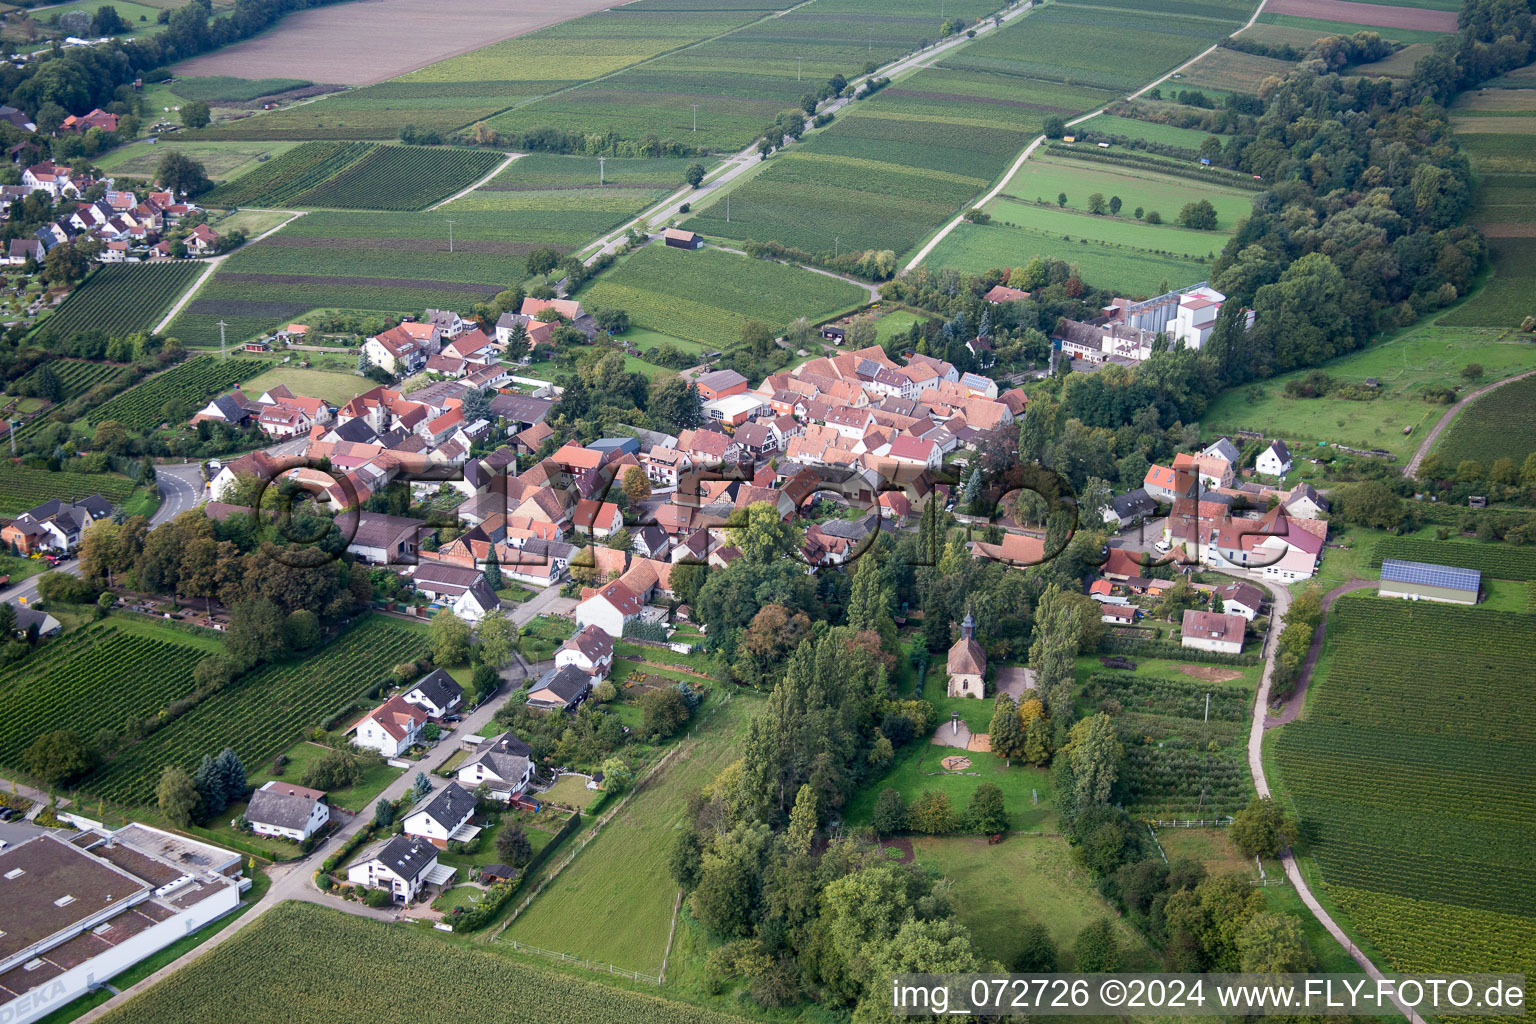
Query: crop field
403	178
1501	424
742	79
1233	71
1497	130
1131	128
121	299
1499	560
394	264
708	295
233	982
22	488
1428	702
357	175
281	181
1171	768
1379	15
233	90
1425	355
896	166
91	679
461	90
181	389
263	712
557	186
1324	27
614	901
77	376
221	160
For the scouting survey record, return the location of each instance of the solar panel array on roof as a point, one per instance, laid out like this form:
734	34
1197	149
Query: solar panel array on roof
1429	574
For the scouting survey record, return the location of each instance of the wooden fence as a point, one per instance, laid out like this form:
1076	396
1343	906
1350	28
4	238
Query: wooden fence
580	961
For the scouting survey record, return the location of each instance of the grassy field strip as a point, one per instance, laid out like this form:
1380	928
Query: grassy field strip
928	247
614	901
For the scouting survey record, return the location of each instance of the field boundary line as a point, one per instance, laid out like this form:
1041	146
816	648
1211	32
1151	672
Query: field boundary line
213	266
677	905
1018	164
461	193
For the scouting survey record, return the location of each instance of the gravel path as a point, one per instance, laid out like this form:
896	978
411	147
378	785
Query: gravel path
1412	469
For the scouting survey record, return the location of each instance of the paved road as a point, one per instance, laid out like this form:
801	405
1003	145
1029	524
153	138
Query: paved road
733	167
1412	468
181	489
922	253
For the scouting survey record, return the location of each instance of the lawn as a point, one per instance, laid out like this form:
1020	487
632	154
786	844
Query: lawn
17	569
304	754
614	902
1162	134
335	388
1124	231
571	791
708	295
252	222
1045	175
1026	790
221	160
368	968
998	890
1128	271
1209	846
1404	364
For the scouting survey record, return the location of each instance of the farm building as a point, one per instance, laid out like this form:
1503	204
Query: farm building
677	238
1425	581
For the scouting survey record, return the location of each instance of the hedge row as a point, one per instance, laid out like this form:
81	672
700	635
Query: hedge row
1168	649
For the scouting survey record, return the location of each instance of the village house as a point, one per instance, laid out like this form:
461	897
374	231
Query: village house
1211	631
560	689
55	525
435	693
1274	460
1243	599
392	728
403	349
287	811
501	764
598	519
401	865
590	650
445	815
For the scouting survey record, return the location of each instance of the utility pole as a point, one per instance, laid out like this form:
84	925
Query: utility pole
797	67
12	432
1207	709
836	240
600	179
450	236
222	354
695	116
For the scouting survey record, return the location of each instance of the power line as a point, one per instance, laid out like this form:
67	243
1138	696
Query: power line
450	236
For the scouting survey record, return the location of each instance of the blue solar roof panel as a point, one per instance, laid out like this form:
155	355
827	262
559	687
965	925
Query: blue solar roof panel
1429	574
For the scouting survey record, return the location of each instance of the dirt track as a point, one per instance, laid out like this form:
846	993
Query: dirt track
1366	14
367	41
